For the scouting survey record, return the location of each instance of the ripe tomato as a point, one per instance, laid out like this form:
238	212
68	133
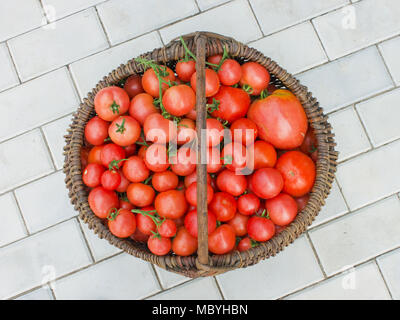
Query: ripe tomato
167	228
239	224
92	175
96	130
233	103
135	170
231	183
189	179
266	183
184	163
110	179
133	85
309	145
111	152
186	131
244	131
123	184
298	171
191	222
130	150
164	181
214	133
282	209
215	59
156	158
224	206
280	119
234	156
150	81
185	69
184	244
125	204
191	114
124	131
142	151
122	223
171	204
264	155
111	102
212	82
248	204
158	129
302	202
101	201
140	194
179	100
222	240
191	194
159	245
95	154
244	244
84	156
260	228
139	236
144	222
230	72
142	106
214	163
255	76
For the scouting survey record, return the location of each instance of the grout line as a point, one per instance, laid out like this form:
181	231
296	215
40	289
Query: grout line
22	218
85	240
102	26
363	126
197	5
316	254
219	288
255	17
44	12
383	278
385	64
13	65
169	289
157	277
52	291
48	148
74	83
320	41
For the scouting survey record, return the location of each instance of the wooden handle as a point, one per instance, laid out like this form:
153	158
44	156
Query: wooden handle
201	110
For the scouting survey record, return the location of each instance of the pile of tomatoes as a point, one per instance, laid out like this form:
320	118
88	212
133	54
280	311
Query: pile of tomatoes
139	157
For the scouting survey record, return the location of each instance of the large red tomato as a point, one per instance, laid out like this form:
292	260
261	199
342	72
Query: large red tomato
111	102
101	201
179	100
171	204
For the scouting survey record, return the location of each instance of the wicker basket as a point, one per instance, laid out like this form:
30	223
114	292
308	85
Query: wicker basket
202	264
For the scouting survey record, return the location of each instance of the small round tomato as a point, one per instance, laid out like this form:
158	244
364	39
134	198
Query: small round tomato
215	59
212	82
184	244
189	179
125	204
96	130
130	150
140	194
111	102
245	244
171	204
95	154
192	114
110	179
139	236
234	156
167	228
111	152
164	181
186	131
302	202
179	100
298	171
264	155
135	170
101	201
92	175
133	85
124	131
191	222
244	131
282	209
156	158
142	151
191	194
231	183
266	183
222	240
122	223
255	76
159	245
158	129
214	163
248	204
150	81
260	228
142	106
144	222
214	133
239	224
184	163
224	206
185	69
123	184
230	72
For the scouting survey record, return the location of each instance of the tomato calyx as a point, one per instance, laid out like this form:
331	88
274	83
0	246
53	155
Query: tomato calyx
265	214
214	106
114	164
264	94
225	56
254	243
108	139
123	196
148	179
155	217
248	88
115	107
114	212
121	127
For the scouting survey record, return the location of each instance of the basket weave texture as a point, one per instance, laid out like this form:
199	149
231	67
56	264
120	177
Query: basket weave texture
204	44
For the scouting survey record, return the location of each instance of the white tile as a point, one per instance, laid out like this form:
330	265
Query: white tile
342	82
125	19
274	15
350	136
349	29
36	102
11	227
207	4
100	248
234	19
371	176
57	44
54	133
45	202
390	51
19	16
43	293
23	159
380	116
38	259
302	51
389	265
169	279
361	283
89	71
8	76
121	277
334	207
199	289
274	277
56	9
358	236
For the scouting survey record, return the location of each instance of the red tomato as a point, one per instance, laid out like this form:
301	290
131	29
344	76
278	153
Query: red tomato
191	194
167	228
264	155
96	130
111	152
150	81
302	202
185	69
84	156
139	236
244	244
309	145
222	240
125	204
101	201
244	131
158	129
229	182
124	131
233	103
298	171
184	244
135	169
282	209
214	163
141	107
234	156
260	228
158	245
123	184
111	102
230	72
133	85
184	163
248	204
142	151
239	224
191	222
130	150
140	195
110	179
171	204
179	100
164	181
186	131
95	155
156	158
189	179
214	133
280	119
255	76
92	175
215	59
122	223
266	183
212	82
224	206
145	224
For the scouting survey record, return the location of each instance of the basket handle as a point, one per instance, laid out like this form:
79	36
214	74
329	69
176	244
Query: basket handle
201	169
